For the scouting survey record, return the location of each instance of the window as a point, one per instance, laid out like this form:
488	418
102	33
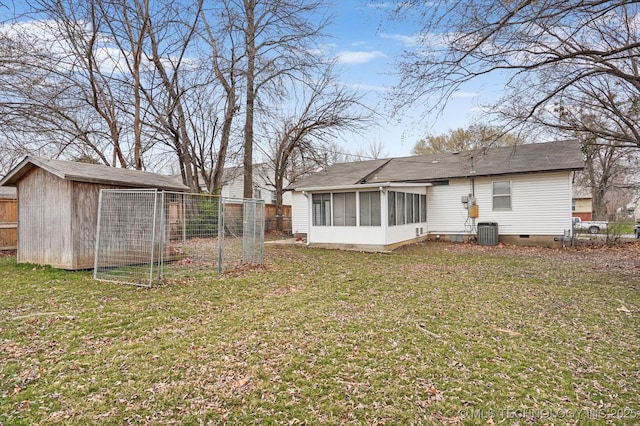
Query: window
344	209
321	209
409	209
400	218
502	195
406	208
391	204
573	205
370	208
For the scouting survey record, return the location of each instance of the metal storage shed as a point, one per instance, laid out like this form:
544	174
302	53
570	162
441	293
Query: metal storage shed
58	207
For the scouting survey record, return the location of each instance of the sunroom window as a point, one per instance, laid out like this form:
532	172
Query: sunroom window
344	209
321	209
370	208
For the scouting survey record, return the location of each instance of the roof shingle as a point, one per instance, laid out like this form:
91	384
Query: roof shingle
526	158
93	173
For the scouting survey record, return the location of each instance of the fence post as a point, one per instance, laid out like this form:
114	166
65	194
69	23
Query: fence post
220	234
97	246
153	236
261	245
183	218
162	236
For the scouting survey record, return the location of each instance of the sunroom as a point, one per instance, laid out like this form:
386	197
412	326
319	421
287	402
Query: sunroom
376	216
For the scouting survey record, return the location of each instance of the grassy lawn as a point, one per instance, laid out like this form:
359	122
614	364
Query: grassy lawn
431	334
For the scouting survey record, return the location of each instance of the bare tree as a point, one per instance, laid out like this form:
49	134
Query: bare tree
127	23
607	170
322	110
226	60
169	40
61	95
545	49
374	150
279	45
106	78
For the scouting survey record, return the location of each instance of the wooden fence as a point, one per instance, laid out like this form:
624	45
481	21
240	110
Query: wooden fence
270	216
8	224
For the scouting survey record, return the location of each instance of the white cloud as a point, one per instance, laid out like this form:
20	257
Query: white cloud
461	94
391	5
358	57
368	87
404	39
382	5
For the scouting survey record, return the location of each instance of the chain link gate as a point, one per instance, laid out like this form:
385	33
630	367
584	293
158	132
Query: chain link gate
147	236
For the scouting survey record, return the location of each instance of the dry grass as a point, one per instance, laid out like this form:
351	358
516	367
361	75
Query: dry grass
430	334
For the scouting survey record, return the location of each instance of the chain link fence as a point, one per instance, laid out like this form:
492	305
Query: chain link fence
148	236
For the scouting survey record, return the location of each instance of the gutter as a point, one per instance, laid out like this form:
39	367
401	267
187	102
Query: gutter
362	185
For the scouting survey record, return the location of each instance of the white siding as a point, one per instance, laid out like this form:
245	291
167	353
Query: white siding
234	188
369	235
299	213
540	205
445	212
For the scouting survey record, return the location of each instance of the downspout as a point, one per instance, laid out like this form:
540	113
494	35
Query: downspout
473	194
426	210
473	191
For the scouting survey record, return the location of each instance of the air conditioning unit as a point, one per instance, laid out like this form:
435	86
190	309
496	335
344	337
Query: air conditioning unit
488	233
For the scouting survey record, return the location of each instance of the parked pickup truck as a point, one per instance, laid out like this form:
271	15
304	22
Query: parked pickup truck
590	226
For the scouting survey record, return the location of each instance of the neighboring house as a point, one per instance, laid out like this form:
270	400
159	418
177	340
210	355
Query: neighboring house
382	204
263	189
263	178
581	203
58	207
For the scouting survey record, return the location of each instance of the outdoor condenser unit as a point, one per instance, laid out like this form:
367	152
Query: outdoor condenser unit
487	233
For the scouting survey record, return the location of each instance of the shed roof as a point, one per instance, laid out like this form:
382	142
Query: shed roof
92	173
518	159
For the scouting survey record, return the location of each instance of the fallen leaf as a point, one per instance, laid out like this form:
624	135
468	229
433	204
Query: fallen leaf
509	332
240	383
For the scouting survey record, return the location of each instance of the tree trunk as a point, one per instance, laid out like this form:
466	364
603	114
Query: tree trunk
250	47
279	209
216	181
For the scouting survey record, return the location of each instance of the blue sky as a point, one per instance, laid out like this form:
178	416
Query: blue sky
366	50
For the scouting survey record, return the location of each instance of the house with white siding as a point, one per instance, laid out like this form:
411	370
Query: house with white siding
263	187
523	191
